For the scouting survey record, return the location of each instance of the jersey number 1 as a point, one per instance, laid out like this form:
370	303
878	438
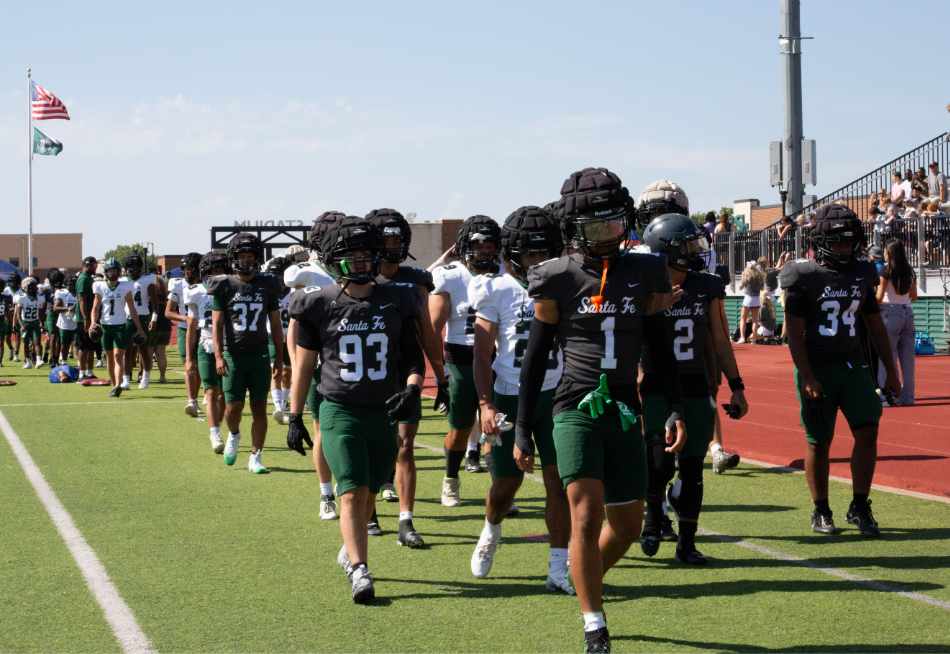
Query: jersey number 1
608	362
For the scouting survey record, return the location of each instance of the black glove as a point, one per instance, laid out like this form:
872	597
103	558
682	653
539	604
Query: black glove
815	411
297	434
405	402
523	441
442	399
676	415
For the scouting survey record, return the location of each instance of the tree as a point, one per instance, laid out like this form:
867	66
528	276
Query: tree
120	252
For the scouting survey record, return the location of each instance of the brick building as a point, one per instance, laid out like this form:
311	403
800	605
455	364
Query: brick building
49	251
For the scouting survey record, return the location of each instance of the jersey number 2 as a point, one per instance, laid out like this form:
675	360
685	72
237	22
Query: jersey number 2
355	356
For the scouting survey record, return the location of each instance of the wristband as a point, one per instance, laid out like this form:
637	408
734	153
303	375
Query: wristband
736	384
154	317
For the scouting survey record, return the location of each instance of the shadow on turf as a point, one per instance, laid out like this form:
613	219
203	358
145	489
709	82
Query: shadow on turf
847	533
800	463
483	589
754	508
741	647
742	587
635	560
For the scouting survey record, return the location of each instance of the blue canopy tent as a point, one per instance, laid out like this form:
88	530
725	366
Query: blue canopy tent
174	272
7	269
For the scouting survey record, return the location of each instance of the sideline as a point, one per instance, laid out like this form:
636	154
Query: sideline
116	611
834	572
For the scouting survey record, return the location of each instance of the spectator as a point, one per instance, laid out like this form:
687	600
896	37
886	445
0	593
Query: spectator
767	324
753	280
876	255
724	225
919	183
771	275
885	223
786	228
910	210
897	290
897	188
937	183
710	224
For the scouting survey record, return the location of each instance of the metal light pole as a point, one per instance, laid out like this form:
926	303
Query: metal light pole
790	41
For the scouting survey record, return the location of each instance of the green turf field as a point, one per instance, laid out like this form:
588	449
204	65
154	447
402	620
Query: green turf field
211	558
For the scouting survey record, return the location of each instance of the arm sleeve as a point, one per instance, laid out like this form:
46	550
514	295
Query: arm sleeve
657	338
533	367
308	336
273	304
411	348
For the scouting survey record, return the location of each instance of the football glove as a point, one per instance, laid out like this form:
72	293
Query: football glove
676	415
815	411
297	434
404	403
442	399
627	417
596	398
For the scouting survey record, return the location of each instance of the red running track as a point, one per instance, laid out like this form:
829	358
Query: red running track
913	442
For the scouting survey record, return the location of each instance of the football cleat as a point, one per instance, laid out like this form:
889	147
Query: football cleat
821	523
126	385
862	518
450	492
143	384
254	463
667	533
513	511
230	450
363	590
98	363
217	445
16	358
732	460
278	416
191	409
328	507
597	641
27	365
408	535
473	462
650	542
719	462
372	526
557	580
389	493
40	364
673	502
484	555
693	557
115	392
343	560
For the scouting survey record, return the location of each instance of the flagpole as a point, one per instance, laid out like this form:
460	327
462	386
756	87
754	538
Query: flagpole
29	104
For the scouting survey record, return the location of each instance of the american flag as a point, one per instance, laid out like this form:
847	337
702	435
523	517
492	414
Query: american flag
45	104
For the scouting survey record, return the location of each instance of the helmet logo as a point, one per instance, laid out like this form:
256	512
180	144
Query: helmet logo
392	231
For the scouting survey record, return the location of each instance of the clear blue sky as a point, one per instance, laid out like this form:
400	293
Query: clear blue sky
187	115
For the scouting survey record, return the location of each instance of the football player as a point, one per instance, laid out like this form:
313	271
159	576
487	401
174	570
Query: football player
824	299
111	310
6	323
503	313
145	297
301	275
698	312
84	301
13	291
55	280
176	312
280	385
358	328
30	313
243	303
603	304
476	246
199	350
64	307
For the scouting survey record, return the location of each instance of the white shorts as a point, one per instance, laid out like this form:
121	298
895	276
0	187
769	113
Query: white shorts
751	301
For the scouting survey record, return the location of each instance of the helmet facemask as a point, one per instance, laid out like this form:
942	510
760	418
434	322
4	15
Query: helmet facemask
830	259
395	247
484	258
357	266
112	275
600	237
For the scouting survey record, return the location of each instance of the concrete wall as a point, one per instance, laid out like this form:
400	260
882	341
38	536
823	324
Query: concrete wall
49	250
427	244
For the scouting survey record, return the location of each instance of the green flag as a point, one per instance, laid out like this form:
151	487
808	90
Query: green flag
43	144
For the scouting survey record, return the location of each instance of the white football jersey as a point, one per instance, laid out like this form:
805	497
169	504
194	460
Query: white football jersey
176	291
198	304
308	273
501	299
140	292
66	320
114	309
454	280
30	309
284	313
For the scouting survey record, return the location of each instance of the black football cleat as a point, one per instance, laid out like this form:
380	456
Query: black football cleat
408	535
667	533
473	462
732	461
862	518
673	502
693	557
597	641
822	524
116	391
373	528
650	542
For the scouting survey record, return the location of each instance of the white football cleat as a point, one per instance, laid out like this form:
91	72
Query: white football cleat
719	461
328	508
230	450
343	560
144	383
98	363
557	580
450	492
254	463
126	385
27	365
484	555
39	364
16	358
191	409
278	416
217	445
389	493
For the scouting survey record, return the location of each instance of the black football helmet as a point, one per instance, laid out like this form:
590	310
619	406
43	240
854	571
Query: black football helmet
133	265
596	213
71	283
835	223
390	222
56	278
190	261
680	239
212	261
530	230
340	242
240	244
473	230
320	226
14	280
658	199
277	266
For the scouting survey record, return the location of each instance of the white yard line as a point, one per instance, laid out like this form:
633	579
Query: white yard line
834	572
117	613
113	402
